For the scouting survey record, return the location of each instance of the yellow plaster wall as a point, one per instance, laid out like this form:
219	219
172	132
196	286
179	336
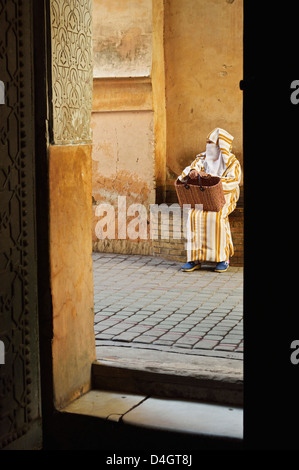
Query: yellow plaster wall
159	103
123	121
122	157
122	39
204	65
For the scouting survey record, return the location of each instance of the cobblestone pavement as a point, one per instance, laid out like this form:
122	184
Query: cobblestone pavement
145	301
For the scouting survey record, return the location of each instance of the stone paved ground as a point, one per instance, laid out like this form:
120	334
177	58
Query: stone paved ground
144	301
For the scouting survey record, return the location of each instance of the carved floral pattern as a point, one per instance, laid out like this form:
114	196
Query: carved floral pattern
19	401
72	70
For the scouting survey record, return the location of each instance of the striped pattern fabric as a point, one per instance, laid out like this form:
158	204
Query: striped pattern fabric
208	233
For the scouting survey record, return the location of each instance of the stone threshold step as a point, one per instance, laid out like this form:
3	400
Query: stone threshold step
173	419
168	374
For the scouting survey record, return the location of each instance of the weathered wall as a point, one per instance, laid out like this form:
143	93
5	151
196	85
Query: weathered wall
122	38
204	65
123	157
123	166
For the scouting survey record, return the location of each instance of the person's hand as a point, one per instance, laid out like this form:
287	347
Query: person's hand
202	174
193	174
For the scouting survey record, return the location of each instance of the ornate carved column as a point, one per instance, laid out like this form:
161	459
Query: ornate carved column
70	198
71	32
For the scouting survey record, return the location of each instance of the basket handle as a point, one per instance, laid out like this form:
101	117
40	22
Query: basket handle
200	185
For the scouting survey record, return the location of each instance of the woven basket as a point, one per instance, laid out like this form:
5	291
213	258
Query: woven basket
206	190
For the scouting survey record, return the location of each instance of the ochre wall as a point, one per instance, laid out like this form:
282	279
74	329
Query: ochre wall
122	38
123	156
204	65
123	166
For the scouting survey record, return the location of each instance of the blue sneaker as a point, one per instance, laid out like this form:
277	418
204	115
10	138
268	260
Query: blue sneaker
190	266
221	267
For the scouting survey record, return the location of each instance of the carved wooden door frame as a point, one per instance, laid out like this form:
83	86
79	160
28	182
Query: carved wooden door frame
20	392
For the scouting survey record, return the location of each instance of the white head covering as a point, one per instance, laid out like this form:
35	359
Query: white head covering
217	153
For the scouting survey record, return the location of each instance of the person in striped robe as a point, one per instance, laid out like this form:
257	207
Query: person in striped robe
208	233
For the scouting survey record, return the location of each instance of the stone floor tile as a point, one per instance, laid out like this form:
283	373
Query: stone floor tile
146	299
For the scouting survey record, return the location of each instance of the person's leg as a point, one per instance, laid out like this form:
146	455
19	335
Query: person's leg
192	242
